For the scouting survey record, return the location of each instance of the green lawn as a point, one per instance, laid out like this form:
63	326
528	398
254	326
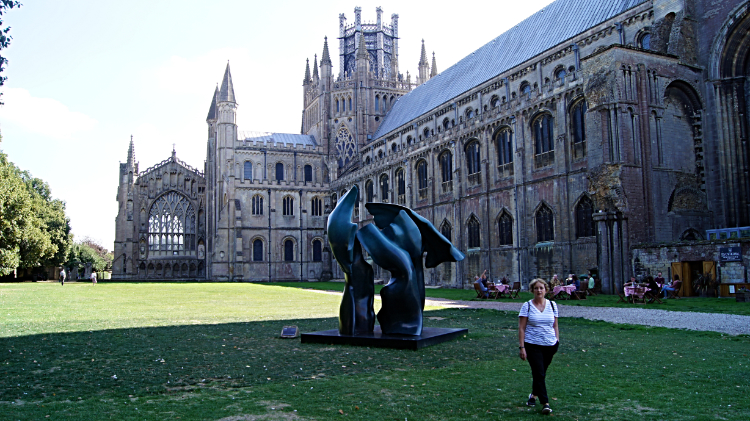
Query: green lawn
703	305
211	351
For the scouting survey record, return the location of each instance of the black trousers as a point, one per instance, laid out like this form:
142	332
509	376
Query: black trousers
539	358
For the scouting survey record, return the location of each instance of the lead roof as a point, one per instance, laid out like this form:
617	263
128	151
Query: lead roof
553	25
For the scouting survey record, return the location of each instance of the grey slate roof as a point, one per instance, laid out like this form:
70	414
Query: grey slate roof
226	93
553	25
285	138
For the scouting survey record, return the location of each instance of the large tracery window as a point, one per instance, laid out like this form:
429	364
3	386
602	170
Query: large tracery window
171	226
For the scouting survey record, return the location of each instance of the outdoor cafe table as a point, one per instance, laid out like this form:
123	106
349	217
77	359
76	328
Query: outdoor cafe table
567	289
633	293
499	289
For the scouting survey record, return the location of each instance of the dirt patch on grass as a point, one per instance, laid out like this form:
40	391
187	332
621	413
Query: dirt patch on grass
276	412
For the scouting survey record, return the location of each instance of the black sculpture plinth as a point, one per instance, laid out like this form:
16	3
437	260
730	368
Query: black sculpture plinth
377	339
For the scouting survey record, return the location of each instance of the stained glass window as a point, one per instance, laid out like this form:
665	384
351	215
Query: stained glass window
171	226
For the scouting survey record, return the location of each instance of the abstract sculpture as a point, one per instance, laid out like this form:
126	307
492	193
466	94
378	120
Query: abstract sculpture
396	241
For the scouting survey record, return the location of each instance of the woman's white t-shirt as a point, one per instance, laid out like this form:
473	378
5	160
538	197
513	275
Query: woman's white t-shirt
540	326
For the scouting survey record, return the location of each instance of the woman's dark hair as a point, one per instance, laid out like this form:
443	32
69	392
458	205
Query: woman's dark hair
676	277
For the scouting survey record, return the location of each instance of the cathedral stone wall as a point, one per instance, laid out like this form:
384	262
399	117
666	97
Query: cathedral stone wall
629	131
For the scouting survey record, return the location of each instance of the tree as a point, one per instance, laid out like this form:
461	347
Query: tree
82	253
34	230
5	38
15	209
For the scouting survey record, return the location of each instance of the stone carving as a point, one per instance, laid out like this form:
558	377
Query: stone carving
396	241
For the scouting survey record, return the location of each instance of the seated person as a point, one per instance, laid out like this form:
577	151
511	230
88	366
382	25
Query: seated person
481	280
632	282
576	282
651	285
670	287
660	279
506	279
554	281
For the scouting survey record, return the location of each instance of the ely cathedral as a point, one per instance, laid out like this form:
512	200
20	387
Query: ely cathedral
589	128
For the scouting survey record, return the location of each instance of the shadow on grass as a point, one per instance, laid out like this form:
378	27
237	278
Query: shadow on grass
225	370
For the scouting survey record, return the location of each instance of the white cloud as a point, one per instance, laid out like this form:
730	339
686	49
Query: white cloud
45	116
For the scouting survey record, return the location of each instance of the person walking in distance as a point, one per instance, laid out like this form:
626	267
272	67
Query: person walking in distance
62	276
93	277
538	340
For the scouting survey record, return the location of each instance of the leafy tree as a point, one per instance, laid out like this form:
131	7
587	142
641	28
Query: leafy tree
34	230
15	212
105	254
4	37
81	254
50	248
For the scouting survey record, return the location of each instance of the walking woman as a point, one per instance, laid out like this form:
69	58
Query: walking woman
538	340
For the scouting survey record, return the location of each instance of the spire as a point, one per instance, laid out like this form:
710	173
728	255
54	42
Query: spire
434	71
226	93
131	152
307	73
326	58
315	68
212	108
362	49
423	57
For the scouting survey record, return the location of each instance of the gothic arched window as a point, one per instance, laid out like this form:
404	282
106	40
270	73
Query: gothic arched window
279	171
369	191
646	41
384	187
258	250
317	251
473	158
578	122
504	145
248	171
585	218
308	173
525	88
474	228
422	174
446	166
505	229
288	206
288	251
171	225
560	73
257	205
345	147
445	229
338	109
543	134
317	206
544	224
469	113
377	102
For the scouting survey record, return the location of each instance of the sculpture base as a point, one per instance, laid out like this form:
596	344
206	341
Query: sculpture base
430	336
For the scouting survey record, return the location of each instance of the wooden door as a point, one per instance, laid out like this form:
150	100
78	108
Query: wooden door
710	267
681	269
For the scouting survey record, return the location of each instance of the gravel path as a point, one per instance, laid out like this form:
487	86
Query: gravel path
731	324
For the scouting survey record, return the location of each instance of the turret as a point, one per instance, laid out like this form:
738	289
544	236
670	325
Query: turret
424	66
315	77
308	79
362	55
434	71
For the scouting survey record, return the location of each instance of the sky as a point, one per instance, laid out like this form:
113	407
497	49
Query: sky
86	75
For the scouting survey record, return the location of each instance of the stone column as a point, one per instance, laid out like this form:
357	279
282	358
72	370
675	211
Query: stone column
616	252
602	243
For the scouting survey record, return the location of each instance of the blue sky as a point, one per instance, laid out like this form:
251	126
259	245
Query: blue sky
83	76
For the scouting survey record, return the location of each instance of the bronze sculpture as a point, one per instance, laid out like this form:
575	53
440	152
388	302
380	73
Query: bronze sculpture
396	241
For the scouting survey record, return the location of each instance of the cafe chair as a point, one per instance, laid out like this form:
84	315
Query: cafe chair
514	290
676	292
480	293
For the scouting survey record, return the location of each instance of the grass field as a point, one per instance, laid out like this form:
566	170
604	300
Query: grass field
212	352
702	305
